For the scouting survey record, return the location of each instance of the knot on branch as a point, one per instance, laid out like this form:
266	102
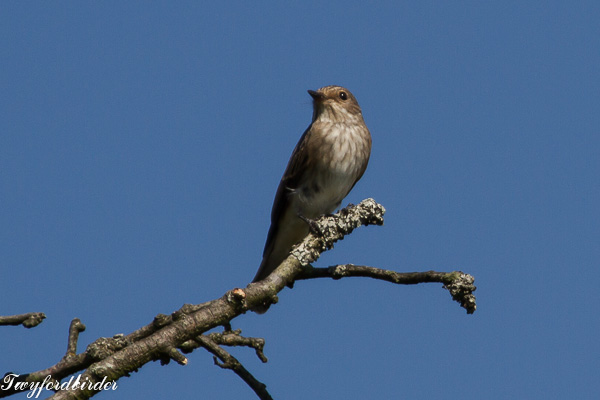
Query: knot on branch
161	320
236	297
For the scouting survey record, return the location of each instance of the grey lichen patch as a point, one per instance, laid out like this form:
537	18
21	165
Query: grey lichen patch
338	271
393	275
461	287
334	227
104	347
309	250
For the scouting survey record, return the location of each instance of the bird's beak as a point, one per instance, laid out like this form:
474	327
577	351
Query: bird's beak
316	95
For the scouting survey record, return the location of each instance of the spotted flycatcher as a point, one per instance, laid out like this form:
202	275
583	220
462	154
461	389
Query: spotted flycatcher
329	159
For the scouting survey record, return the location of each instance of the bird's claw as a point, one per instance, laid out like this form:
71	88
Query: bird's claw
312	226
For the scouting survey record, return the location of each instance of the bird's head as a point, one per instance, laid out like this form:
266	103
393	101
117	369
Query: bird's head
335	103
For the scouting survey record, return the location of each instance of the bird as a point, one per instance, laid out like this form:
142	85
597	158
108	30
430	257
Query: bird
330	157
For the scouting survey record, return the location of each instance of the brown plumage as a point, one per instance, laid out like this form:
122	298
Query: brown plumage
329	159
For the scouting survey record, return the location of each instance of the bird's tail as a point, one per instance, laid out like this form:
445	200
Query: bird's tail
264	270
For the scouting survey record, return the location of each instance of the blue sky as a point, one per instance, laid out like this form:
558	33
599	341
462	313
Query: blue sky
141	144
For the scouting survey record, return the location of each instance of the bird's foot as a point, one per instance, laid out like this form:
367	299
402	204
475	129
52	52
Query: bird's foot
312	225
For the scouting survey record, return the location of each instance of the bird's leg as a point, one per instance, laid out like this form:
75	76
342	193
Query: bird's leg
312	225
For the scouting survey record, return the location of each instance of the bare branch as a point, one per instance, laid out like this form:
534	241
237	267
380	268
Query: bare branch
76	327
229	338
108	359
459	284
28	320
171	353
230	362
234	338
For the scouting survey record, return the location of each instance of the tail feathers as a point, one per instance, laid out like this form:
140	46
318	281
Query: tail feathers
278	246
264	270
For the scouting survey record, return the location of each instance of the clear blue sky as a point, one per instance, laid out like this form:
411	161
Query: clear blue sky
141	144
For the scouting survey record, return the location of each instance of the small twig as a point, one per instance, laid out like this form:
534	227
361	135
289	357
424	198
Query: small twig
230	362
459	284
74	330
65	367
234	338
28	320
171	353
230	338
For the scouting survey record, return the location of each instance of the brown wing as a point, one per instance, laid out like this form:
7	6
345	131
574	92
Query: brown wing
289	181
291	177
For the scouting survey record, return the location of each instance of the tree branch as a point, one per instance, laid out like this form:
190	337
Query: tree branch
331	228
230	362
459	284
229	338
74	330
108	359
28	320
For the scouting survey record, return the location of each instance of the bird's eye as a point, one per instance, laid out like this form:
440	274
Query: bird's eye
343	96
